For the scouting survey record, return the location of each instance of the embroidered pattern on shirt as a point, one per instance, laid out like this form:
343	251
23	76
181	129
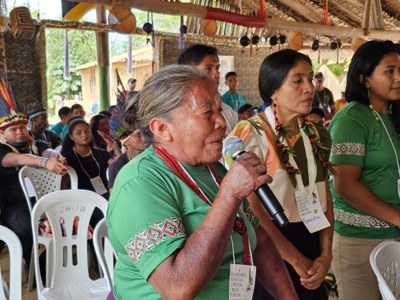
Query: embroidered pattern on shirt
157	233
358	220
348	149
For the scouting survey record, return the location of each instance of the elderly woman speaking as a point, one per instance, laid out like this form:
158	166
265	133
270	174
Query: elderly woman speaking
176	216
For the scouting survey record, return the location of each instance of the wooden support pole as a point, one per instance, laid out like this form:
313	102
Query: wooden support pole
103	61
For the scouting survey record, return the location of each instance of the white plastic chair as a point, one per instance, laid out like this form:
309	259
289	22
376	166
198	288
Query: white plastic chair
385	262
14	292
35	183
70	272
105	255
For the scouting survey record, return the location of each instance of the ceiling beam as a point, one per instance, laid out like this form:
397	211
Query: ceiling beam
188	9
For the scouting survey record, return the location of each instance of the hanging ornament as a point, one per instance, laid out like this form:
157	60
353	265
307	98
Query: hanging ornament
282	39
335	44
255	39
149	29
314	44
244	41
122	20
295	40
22	25
208	27
355	43
273	40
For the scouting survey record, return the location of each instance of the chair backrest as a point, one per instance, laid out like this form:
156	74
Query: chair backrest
15	253
105	255
37	182
385	262
69	213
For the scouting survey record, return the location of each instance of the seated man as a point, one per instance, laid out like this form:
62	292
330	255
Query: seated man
38	125
17	149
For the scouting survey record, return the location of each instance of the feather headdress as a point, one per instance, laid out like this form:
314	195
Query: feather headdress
10	111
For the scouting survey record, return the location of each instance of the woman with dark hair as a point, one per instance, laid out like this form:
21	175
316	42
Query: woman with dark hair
365	152
89	162
294	151
101	133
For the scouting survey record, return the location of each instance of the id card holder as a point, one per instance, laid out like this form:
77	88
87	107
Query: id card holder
242	280
310	211
98	185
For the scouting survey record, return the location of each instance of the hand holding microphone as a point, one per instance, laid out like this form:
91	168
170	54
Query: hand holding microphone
234	148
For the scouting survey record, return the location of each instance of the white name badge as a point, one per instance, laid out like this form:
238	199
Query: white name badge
310	211
242	280
98	185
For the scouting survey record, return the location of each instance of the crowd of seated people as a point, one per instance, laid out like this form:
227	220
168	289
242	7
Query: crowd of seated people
156	156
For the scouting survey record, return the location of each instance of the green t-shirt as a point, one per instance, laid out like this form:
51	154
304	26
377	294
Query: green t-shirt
359	140
151	213
233	100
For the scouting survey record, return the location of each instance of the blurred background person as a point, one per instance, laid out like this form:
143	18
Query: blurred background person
61	128
323	97
77	110
177	183
365	154
232	96
38	125
132	140
246	111
131	85
101	133
295	152
316	115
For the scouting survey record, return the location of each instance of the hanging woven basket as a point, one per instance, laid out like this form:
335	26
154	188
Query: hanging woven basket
122	20
22	24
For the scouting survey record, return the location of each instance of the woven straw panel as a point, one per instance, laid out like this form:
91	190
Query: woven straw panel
23	68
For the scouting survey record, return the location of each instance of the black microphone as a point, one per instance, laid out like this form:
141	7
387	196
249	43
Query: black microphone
234	147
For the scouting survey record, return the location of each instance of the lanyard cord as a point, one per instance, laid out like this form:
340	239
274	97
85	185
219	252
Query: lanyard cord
391	142
79	161
176	167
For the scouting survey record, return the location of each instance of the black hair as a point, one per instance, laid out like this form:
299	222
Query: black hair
364	61
75	106
195	53
317	111
229	74
68	143
64	111
94	126
274	70
105	113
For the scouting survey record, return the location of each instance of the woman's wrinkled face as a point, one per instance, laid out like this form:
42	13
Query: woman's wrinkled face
197	127
81	135
384	82
295	96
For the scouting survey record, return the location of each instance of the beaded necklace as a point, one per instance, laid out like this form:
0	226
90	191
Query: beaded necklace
284	150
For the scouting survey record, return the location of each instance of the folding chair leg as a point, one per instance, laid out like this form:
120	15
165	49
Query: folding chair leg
31	272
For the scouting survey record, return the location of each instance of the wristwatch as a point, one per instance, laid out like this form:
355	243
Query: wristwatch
43	162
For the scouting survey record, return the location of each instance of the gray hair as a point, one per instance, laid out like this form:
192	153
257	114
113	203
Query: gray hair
163	92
